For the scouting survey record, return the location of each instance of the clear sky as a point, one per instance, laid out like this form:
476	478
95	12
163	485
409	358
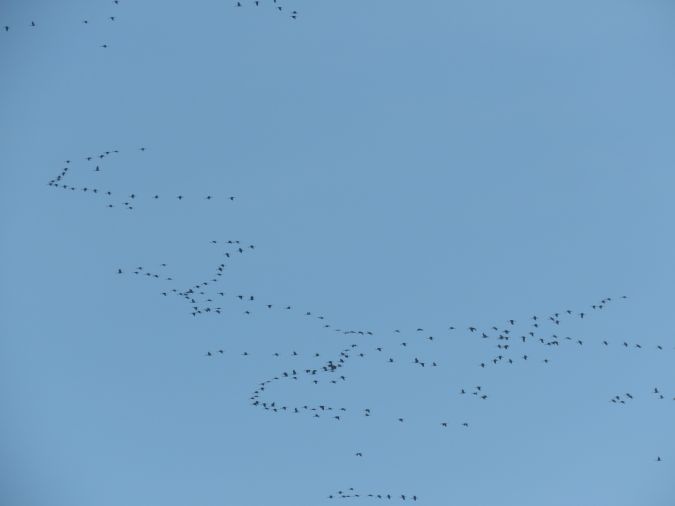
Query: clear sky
397	165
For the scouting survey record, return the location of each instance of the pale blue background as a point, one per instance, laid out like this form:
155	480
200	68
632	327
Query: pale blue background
397	164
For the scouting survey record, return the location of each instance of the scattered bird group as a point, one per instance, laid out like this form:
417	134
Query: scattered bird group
32	25
274	3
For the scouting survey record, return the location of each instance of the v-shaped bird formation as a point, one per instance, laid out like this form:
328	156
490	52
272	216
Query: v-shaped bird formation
93	182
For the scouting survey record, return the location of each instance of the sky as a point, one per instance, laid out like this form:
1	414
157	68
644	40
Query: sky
396	165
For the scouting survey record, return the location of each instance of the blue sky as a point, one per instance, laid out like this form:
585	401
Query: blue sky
397	165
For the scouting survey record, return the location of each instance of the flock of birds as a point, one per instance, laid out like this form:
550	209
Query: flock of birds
514	342
535	338
32	24
130	200
257	3
350	493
